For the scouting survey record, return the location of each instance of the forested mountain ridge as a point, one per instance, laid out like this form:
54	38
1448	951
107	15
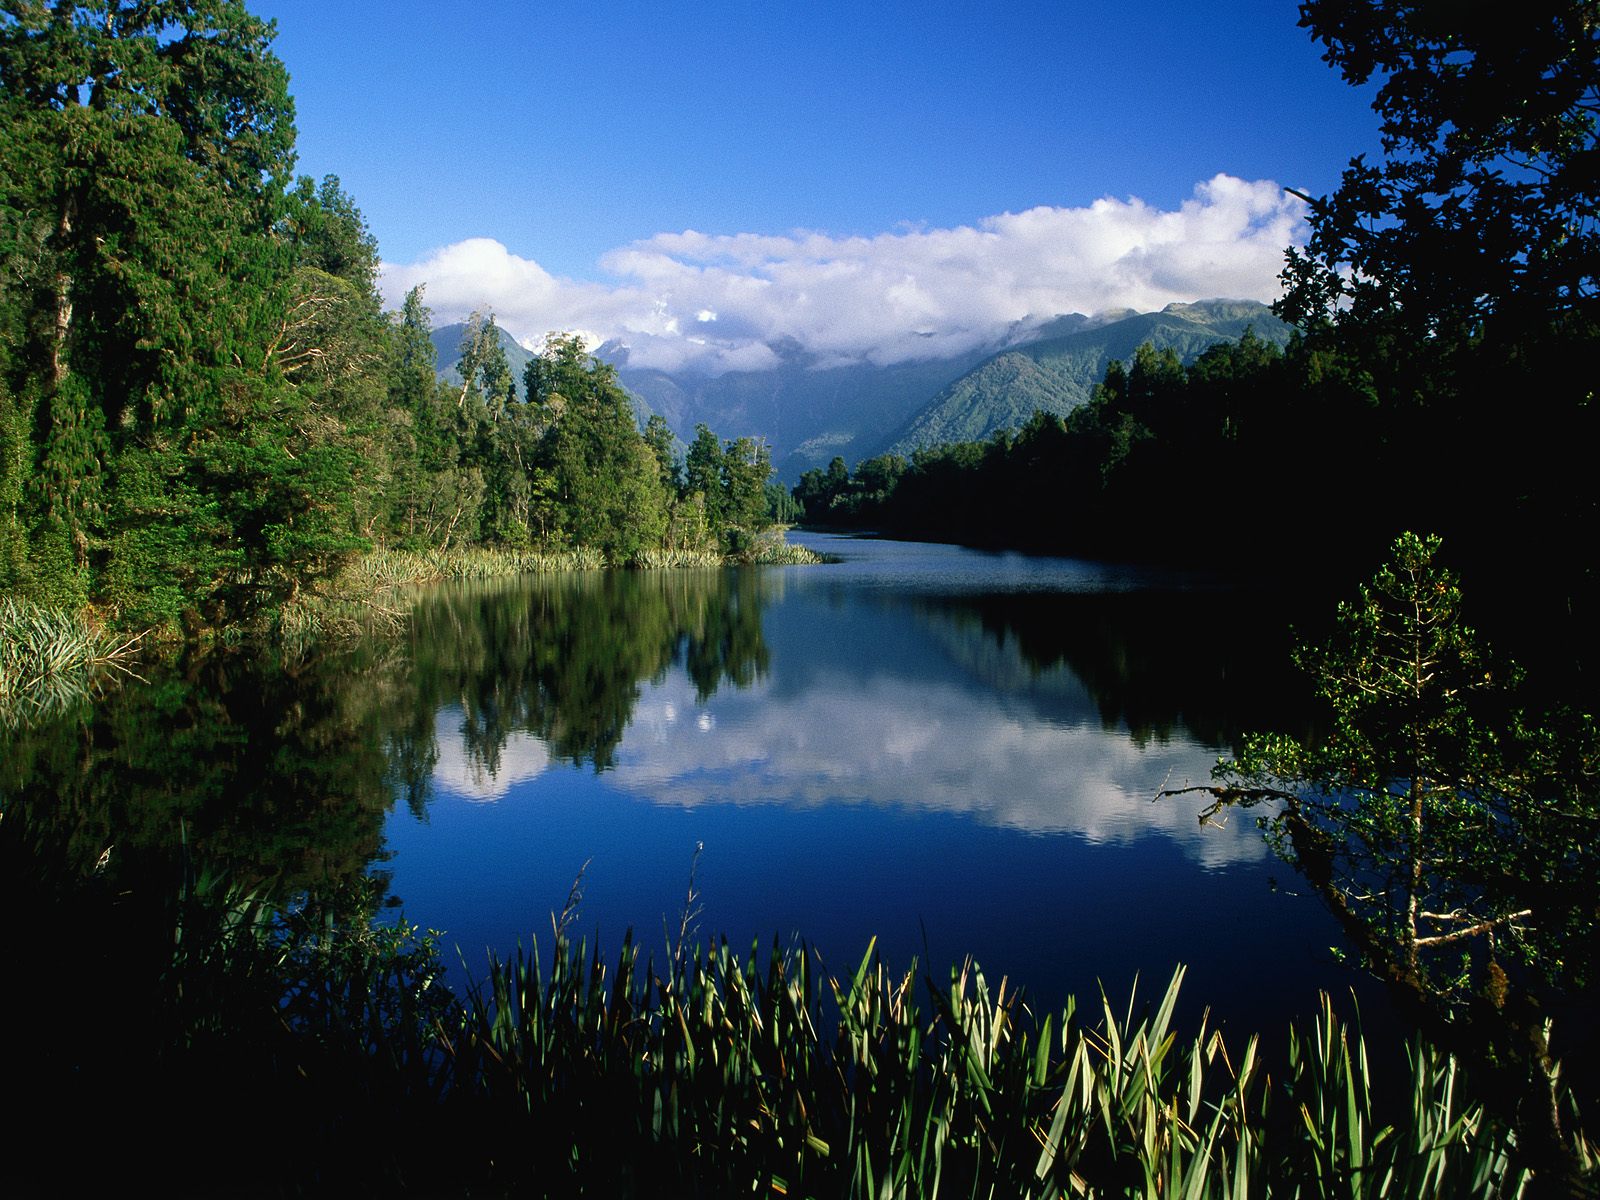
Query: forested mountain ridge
1057	374
808	414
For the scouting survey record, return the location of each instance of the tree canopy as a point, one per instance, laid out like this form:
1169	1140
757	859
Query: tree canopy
202	407
1485	203
1454	834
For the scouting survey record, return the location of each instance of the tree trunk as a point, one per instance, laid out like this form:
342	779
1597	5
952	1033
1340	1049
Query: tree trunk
63	293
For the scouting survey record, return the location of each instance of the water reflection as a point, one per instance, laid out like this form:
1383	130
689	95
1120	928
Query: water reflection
1039	712
562	657
941	749
1025	709
925	745
268	770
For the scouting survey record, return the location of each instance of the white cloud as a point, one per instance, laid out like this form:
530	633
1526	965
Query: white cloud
720	302
921	747
461	771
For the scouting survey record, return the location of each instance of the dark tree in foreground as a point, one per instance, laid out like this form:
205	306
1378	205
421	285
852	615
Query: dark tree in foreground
1486	201
1456	840
1458	276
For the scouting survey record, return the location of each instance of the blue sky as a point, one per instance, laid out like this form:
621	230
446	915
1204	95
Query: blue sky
539	147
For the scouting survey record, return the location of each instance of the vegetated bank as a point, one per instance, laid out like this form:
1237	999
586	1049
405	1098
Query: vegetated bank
218	1039
204	412
1298	465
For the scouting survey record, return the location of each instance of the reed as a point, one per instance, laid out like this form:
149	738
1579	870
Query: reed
665	559
719	1073
721	1077
778	553
376	591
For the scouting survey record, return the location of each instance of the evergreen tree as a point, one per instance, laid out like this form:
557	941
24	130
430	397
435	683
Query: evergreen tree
746	467
175	463
597	483
658	436
702	475
1451	834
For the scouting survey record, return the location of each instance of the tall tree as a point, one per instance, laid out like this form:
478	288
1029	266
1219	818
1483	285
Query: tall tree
702	474
597	482
1455	838
1457	276
177	463
746	467
1487	200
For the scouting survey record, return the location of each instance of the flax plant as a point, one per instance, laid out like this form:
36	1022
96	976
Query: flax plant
51	658
721	1075
714	1073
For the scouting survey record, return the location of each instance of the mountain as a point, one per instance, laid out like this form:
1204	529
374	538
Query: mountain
1058	373
447	343
807	413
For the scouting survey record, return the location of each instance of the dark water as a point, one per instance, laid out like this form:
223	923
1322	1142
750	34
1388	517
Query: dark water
953	752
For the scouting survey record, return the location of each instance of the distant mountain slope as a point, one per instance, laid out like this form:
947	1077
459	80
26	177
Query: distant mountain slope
807	414
447	342
1058	373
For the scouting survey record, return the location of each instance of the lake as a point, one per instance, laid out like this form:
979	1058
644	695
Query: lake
953	752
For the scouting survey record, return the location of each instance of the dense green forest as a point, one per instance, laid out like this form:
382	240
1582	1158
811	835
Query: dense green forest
1311	458
1445	307
203	409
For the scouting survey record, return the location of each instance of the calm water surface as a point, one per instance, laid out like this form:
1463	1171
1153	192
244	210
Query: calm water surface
955	753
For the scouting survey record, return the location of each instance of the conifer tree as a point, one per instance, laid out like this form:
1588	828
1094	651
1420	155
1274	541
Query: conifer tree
176	462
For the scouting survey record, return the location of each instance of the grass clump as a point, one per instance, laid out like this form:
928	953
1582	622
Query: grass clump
376	590
771	549
653	558
721	1074
51	657
724	1077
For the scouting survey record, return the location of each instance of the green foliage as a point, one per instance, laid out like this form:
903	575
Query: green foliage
1455	837
1057	374
1456	830
187	329
1455	275
203	412
600	482
50	658
702	473
1097	481
1484	204
659	437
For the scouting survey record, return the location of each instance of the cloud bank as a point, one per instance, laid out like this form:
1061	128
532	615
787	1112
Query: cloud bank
723	302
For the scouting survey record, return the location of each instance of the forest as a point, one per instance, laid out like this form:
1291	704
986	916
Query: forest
204	411
1309	459
206	418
